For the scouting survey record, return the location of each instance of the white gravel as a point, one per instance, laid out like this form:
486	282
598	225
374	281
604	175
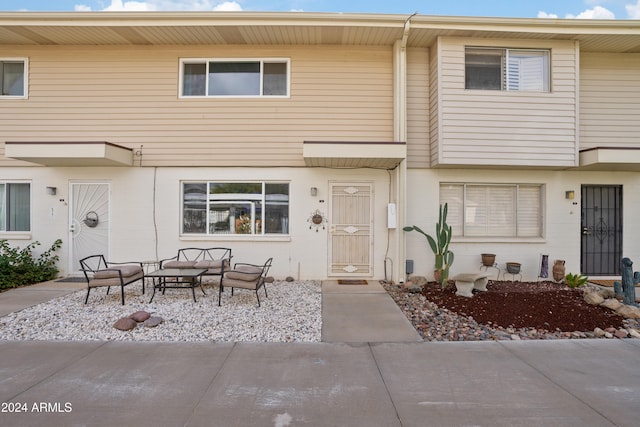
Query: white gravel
291	313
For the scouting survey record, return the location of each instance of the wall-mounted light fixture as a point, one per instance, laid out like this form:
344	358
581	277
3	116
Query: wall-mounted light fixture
569	195
51	191
314	191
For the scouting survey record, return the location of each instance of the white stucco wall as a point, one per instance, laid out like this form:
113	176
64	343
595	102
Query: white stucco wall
561	238
303	254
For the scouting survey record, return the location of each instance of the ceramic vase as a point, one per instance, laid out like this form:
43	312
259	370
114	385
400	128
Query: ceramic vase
558	270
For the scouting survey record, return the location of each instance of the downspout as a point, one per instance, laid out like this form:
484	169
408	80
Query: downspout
400	134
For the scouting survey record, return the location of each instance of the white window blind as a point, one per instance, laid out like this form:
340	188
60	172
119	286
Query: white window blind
493	210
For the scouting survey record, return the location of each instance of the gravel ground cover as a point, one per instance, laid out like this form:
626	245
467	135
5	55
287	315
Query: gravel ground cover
508	310
291	313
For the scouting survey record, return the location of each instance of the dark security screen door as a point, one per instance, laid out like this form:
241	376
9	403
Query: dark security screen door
601	241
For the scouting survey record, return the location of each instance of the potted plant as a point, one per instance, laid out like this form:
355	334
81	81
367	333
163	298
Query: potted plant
439	246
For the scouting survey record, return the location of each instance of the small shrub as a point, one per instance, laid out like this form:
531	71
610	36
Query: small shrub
19	268
575	280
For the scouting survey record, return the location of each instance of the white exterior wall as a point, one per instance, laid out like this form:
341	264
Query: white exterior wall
303	254
562	219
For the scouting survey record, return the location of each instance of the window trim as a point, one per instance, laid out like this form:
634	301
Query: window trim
206	61
25	88
491	238
504	72
263	236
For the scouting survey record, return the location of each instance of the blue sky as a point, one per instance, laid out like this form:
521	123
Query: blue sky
584	9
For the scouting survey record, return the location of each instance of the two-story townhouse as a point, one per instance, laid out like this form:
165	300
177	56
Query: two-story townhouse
314	138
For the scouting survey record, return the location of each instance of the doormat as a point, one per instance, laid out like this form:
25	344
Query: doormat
72	280
607	283
352	282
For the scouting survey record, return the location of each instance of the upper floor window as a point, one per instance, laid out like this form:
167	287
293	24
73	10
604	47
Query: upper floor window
13	74
494	210
234	78
507	69
224	208
15	206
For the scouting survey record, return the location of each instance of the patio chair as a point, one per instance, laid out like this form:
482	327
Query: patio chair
245	276
99	273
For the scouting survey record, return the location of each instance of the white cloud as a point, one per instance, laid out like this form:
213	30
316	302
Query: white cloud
542	14
229	6
633	10
167	5
597	12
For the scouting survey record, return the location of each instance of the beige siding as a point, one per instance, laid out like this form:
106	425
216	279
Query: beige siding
434	102
500	128
418	108
129	96
609	100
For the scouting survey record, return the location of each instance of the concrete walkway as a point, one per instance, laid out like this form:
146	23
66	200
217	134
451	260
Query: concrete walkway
525	383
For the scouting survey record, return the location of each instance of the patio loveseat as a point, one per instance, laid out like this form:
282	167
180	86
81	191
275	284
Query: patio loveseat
215	260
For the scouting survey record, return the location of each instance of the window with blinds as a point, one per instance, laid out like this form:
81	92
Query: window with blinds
493	210
507	69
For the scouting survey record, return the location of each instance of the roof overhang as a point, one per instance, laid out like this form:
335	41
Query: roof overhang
610	159
91	153
340	154
300	28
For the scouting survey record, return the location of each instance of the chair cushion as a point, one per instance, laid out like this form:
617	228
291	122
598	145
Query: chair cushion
247	273
216	263
178	264
112	272
115	281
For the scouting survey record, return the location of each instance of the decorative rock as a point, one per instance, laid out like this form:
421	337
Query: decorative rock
140	316
593	298
608	335
125	324
269	279
289	279
629	311
633	333
607	293
621	333
417	280
611	303
414	288
153	321
598	332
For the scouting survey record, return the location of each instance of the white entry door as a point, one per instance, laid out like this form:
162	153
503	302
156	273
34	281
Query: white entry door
350	231
89	222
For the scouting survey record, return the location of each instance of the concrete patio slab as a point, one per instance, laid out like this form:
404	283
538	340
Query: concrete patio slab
372	286
16	299
477	383
364	317
301	384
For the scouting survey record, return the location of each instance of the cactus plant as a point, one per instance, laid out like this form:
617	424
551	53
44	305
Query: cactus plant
440	245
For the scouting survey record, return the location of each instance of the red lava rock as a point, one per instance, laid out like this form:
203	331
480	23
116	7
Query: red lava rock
125	324
621	333
140	316
541	305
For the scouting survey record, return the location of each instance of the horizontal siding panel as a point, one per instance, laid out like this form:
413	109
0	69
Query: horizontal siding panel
609	100
512	128
418	154
129	96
